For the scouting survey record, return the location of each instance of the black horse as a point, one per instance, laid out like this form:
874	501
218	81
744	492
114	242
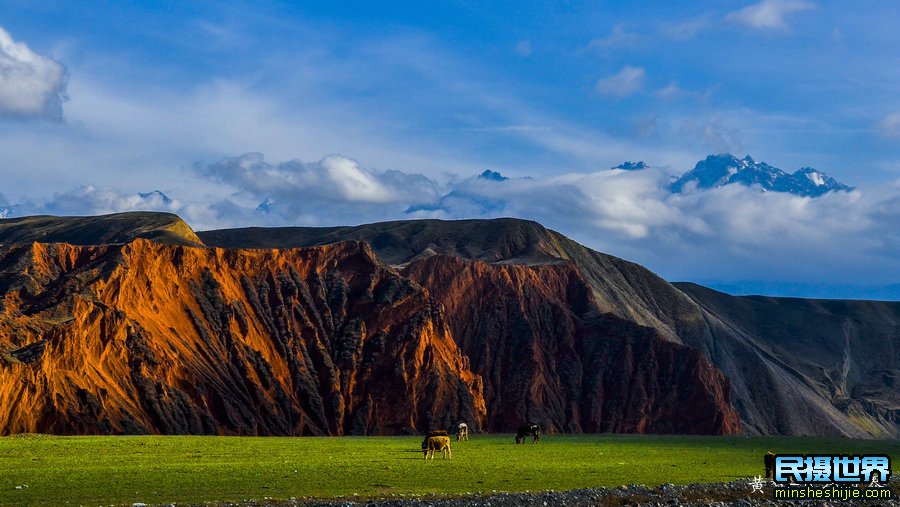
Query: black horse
529	430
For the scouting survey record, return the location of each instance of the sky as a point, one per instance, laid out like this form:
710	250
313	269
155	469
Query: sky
325	113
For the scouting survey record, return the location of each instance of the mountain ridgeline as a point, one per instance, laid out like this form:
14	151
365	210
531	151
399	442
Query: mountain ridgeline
137	325
726	169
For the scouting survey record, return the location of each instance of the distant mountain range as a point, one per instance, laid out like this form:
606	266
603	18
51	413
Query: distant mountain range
726	169
889	292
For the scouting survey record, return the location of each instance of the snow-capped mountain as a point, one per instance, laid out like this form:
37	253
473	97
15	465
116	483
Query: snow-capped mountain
725	169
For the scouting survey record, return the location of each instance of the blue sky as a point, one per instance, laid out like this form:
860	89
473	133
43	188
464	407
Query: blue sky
105	100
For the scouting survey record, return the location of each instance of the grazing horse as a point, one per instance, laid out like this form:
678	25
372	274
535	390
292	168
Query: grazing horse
529	430
437	443
462	432
769	461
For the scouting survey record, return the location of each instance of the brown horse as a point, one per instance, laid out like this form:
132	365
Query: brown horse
439	443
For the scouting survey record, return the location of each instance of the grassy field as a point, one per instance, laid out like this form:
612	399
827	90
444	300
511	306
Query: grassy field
122	470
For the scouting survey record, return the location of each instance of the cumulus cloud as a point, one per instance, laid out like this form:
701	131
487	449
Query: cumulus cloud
889	126
31	85
333	189
768	14
626	82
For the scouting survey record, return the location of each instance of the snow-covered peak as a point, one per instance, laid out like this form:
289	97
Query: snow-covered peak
725	169
817	178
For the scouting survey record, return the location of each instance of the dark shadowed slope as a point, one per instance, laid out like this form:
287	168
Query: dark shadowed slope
846	354
98	230
502	240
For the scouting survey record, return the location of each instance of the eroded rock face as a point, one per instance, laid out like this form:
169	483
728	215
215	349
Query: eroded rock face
795	366
490	323
152	338
548	355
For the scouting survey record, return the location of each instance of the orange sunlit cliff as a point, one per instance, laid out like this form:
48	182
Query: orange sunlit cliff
146	337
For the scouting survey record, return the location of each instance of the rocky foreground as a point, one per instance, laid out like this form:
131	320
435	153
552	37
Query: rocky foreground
738	494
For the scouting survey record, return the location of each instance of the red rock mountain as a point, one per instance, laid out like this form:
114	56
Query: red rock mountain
133	323
539	327
795	366
153	338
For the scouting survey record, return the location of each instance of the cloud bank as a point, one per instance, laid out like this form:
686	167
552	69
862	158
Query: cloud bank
31	85
729	233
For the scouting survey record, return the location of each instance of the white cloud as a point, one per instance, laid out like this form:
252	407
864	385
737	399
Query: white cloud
92	200
626	82
31	85
618	38
355	183
768	14
333	190
889	126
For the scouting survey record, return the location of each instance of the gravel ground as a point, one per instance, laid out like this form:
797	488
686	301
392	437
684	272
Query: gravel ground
737	494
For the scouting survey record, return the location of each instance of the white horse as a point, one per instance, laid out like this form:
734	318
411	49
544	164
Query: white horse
462	432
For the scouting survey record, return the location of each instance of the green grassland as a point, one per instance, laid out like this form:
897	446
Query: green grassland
121	470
